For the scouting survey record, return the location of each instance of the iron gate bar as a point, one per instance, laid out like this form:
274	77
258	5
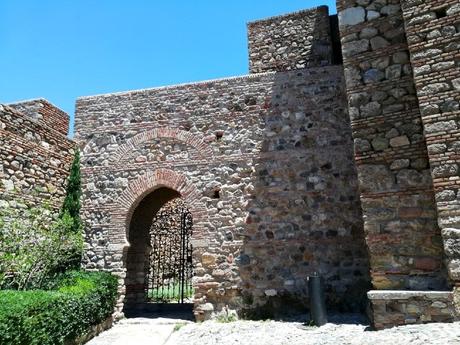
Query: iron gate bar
170	266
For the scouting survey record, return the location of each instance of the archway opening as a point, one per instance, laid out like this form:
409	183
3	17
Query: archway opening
159	259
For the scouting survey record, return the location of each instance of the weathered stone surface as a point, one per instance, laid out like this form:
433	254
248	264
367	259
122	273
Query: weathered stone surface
380	144
413	178
451	245
446	195
401	172
393	72
372	15
378	43
290	42
437	148
401	57
399	141
434	88
368	33
400	164
453	9
351	16
265	161
35	154
362	145
407	307
249	166
373	76
355	47
373	178
453	268
445	170
390	9
456	82
440	126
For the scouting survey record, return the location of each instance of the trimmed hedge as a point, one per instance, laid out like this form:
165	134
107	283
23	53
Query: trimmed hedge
40	317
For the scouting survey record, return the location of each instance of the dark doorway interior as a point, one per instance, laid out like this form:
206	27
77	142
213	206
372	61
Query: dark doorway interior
159	259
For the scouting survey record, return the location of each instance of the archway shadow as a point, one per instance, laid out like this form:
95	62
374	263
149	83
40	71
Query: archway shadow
138	265
165	310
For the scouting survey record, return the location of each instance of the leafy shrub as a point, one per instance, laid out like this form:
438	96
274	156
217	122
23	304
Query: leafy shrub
52	317
35	244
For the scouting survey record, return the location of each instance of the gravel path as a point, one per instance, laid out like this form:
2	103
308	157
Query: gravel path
176	332
280	333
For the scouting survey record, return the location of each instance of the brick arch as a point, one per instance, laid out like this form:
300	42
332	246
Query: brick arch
164	132
147	183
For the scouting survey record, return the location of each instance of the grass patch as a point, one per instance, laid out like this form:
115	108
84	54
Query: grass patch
171	293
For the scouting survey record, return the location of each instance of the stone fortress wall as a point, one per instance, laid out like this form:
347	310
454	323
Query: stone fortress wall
35	154
303	166
275	148
270	157
267	160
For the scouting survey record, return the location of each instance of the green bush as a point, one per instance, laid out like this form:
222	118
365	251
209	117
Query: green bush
51	317
36	244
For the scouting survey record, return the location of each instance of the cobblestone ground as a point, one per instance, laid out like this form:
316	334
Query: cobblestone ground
177	332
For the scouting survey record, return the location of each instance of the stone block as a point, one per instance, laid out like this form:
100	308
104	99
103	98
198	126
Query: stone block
373	76
445	170
456	84
402	140
351	16
441	126
379	43
355	47
379	143
375	177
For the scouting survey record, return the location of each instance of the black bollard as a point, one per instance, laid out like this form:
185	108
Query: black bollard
317	303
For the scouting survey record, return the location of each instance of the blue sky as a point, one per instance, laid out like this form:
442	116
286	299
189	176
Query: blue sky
63	49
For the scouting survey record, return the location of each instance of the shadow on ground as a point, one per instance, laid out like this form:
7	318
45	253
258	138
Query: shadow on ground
164	310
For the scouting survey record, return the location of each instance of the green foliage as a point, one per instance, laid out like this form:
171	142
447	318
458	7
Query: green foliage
36	244
40	317
71	206
178	326
169	293
226	316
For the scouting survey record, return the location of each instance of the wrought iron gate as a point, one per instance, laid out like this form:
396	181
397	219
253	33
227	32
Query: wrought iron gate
170	266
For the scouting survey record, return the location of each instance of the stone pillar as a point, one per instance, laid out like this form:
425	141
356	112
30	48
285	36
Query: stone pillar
397	198
433	35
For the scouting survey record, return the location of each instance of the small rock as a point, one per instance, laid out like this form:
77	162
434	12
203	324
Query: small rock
372	15
401	57
271	292
373	75
368	33
378	43
393	72
402	140
379	143
456	84
400	164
